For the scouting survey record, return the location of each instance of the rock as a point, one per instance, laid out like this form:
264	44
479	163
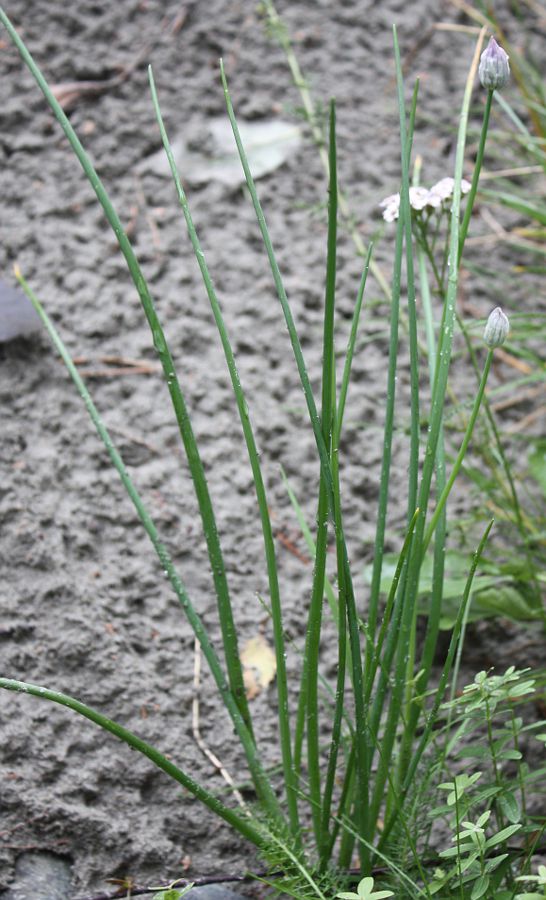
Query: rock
41	875
17	314
211	892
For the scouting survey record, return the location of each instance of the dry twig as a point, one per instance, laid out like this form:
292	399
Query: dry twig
217	763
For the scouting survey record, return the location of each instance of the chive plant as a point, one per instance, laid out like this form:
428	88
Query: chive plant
354	795
500	474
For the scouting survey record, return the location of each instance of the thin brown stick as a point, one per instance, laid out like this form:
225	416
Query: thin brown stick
524	397
523	424
117	365
257	876
513	361
69	93
452	26
291	546
217	763
115	372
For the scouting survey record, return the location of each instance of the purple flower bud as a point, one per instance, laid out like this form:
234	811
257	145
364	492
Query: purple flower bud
496	329
494	70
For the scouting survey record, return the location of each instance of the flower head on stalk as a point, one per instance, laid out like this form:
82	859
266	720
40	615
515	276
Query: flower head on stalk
494	70
496	329
421	198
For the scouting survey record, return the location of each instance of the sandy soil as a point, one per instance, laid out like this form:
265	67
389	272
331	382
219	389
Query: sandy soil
84	605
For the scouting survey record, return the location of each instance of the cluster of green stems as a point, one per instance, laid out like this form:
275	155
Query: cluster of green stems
378	742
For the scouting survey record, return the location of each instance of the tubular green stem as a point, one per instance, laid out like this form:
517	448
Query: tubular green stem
289	773
346	802
314	417
241	824
442	684
260	779
328	416
311	116
390	626
309	684
384	682
401	647
350	349
446	332
439	280
405	140
381	517
328	587
229	633
476	174
411	583
461	454
323	450
325	847
435	605
375	651
413	468
507	471
458	839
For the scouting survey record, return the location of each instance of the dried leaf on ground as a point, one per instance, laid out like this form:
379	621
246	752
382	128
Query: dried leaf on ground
259	665
209	153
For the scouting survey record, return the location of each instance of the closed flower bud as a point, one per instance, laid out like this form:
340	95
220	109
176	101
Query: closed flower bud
494	70
496	329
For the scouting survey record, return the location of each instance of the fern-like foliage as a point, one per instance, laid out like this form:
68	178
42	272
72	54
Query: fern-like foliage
292	872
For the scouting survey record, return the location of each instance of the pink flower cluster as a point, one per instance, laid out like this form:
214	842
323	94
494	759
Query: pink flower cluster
420	197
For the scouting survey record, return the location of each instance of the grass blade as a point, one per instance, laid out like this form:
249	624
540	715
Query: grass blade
388	427
312	113
260	779
349	354
241	824
442	369
411	583
476	173
441	689
435	605
413	467
331	432
354	637
311	660
210	530
460	455
290	780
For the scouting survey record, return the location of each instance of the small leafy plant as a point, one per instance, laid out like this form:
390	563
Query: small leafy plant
364	891
486	809
356	796
172	893
539	880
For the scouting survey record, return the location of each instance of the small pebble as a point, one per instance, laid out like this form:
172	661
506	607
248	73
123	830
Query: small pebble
17	314
212	892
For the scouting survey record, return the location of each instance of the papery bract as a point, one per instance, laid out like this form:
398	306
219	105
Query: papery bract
494	70
496	329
